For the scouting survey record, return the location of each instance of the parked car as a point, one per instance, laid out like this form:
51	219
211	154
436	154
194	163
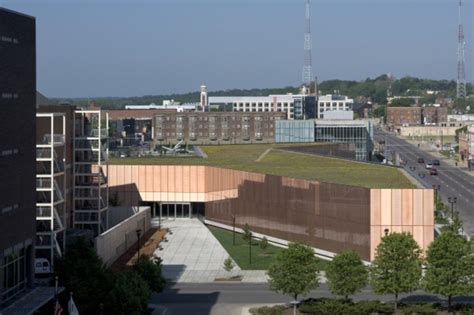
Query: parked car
428	166
421	160
42	266
435	162
433	171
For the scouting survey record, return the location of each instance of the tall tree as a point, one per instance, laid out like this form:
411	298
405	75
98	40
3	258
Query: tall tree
397	265
130	294
150	271
295	271
450	266
346	274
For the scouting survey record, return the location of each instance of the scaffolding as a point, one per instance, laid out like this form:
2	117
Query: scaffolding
91	191
50	187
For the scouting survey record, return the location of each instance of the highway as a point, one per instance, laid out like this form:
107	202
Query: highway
453	181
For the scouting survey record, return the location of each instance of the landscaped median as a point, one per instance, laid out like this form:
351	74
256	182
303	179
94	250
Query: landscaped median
261	257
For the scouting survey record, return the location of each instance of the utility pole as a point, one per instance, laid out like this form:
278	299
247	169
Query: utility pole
308	65
461	81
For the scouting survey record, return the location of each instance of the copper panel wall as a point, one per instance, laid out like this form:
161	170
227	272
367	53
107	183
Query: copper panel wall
331	217
165	183
327	216
401	210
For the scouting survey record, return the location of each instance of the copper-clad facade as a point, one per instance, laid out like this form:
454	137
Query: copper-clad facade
331	217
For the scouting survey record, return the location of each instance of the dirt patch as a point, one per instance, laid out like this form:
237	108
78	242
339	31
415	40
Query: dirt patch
148	244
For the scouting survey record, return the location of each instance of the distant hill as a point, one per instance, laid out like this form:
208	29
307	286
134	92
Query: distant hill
376	89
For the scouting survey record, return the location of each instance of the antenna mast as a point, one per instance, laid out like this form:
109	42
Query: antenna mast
461	82
307	67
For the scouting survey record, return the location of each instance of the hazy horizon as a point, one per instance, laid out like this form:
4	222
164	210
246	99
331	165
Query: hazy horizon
125	49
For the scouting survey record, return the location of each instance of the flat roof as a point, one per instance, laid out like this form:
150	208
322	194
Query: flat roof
285	163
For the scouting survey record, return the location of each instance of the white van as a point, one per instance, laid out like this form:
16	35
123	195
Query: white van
42	266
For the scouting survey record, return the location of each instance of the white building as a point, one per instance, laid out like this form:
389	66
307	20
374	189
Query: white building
331	102
280	103
167	104
465	117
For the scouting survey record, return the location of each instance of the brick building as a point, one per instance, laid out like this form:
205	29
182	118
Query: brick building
216	127
403	116
416	116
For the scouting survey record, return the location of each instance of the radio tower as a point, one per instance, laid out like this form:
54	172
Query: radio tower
307	67
461	83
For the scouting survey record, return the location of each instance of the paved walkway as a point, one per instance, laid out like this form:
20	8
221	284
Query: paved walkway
192	254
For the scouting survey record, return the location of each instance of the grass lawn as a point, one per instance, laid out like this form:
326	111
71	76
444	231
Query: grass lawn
290	164
261	259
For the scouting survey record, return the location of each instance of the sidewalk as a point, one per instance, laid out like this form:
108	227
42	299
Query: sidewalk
192	254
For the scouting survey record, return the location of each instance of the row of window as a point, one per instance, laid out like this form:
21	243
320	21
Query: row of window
261	104
7	95
8	39
13	275
8	152
213	118
160	135
9	208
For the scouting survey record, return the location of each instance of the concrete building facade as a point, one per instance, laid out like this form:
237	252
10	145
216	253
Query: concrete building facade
328	103
295	106
17	153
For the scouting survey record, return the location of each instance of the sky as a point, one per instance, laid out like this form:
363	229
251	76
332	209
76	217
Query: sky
132	48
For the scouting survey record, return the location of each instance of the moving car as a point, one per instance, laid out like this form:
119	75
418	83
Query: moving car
421	160
433	171
428	166
435	162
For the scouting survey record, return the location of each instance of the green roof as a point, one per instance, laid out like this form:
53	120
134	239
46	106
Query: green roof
285	163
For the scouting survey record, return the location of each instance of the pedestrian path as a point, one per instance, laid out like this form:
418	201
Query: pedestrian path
192	254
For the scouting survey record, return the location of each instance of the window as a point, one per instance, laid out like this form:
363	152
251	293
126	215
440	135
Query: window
13	271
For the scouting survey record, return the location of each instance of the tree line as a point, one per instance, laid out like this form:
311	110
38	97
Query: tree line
447	269
373	88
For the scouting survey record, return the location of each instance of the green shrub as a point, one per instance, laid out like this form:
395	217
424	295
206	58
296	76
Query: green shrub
371	307
327	306
344	307
424	308
464	309
268	310
150	271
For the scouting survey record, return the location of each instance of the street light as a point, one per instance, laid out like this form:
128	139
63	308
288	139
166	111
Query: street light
233	230
436	187
386	231
452	201
139	232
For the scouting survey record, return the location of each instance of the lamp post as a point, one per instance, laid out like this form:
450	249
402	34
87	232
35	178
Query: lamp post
139	232
436	187
233	230
452	201
386	231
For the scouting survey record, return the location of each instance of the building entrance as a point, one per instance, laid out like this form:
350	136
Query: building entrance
173	210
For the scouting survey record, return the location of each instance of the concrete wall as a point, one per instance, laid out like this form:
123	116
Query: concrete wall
113	243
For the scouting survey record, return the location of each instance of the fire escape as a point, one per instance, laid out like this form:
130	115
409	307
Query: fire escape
91	192
50	186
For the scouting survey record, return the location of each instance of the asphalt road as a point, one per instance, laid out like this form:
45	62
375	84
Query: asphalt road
453	181
230	299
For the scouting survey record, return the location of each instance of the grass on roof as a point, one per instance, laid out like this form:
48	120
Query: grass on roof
284	163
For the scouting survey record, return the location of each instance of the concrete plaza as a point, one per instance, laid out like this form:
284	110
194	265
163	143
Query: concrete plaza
193	255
